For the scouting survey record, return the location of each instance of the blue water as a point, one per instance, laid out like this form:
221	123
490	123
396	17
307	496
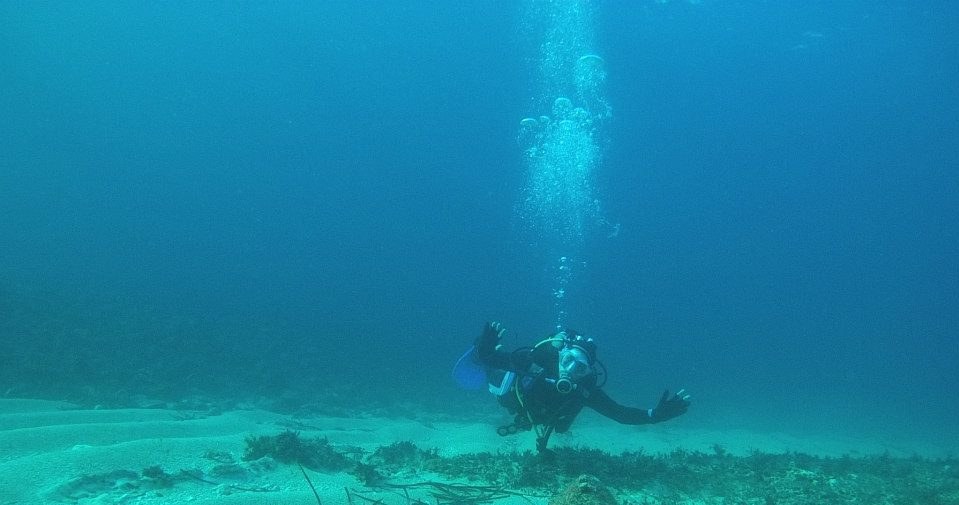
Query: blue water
321	198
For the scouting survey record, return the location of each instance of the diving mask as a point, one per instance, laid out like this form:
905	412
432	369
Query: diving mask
573	366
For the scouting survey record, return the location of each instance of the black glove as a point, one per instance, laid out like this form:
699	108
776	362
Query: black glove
488	341
669	408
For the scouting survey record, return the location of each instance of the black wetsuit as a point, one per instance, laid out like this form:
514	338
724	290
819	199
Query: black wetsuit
540	402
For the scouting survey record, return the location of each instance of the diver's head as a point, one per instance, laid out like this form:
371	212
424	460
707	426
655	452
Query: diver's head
575	361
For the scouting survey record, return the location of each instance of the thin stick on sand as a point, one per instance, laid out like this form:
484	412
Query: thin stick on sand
310	482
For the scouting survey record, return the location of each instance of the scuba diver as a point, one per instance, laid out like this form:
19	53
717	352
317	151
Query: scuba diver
547	385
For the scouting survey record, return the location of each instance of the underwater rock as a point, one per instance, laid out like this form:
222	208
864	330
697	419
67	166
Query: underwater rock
98	486
585	490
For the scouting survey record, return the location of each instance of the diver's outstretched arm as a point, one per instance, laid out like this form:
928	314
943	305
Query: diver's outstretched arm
667	408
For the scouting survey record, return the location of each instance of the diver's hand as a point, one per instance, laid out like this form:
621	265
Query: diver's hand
488	341
670	407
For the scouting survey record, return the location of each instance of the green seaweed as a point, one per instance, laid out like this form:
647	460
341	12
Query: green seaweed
696	477
288	447
679	477
157	478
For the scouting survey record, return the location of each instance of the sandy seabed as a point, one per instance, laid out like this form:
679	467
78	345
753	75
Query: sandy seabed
54	452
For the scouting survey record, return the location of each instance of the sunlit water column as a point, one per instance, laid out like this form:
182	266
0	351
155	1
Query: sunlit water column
563	144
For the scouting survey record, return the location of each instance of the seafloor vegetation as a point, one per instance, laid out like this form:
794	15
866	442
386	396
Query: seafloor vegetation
403	474
680	477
